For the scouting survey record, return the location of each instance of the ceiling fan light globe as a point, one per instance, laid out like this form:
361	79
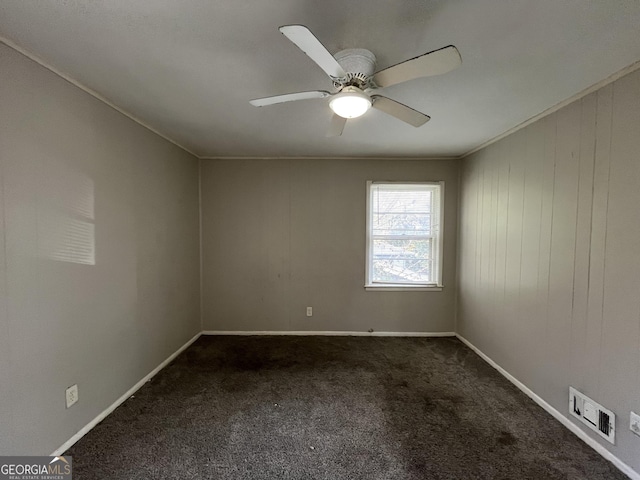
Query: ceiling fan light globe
350	104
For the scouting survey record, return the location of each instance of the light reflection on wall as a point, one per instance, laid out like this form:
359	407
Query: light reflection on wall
66	229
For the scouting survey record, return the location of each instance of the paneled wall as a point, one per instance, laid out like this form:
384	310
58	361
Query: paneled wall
549	255
99	255
281	235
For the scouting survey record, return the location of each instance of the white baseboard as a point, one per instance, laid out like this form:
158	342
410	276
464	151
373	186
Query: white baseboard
87	428
332	333
582	435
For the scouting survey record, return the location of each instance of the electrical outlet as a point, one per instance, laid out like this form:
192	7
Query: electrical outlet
72	395
634	423
309	311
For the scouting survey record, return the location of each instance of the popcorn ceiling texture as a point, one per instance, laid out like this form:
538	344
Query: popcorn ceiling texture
332	408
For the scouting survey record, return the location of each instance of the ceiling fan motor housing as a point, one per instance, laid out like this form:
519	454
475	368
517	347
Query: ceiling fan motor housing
360	65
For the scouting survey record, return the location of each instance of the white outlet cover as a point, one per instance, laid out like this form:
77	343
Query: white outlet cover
71	395
309	311
634	423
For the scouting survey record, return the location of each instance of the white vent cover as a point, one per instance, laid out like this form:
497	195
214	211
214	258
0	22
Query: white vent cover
592	414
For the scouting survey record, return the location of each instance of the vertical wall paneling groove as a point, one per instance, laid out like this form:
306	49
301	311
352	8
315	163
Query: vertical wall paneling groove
501	259
546	239
513	248
562	247
200	237
6	393
529	269
289	274
553	296
598	235
582	246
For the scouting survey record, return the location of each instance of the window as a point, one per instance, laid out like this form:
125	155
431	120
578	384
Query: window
404	235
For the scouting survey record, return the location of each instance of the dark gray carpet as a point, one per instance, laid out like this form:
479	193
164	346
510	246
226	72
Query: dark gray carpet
332	408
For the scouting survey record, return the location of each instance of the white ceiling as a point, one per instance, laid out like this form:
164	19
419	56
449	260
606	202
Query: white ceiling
189	67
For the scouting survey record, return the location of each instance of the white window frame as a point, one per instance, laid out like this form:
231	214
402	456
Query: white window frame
435	286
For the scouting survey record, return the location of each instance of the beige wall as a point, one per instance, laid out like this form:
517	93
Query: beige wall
70	164
281	235
549	264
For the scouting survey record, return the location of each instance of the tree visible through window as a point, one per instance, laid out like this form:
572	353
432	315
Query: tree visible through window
403	234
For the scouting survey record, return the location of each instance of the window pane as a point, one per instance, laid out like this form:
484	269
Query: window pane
401	271
385	223
402	199
409	249
402	261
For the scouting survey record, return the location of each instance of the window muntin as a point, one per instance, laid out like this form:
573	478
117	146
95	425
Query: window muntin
404	234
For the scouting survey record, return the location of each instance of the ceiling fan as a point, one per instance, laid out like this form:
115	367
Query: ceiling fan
356	81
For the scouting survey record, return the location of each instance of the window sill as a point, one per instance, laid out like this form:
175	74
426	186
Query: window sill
404	288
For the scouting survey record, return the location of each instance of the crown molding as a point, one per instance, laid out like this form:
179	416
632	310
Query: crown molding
328	157
581	94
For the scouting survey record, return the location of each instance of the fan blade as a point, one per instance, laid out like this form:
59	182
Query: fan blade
400	111
309	44
336	126
288	97
432	63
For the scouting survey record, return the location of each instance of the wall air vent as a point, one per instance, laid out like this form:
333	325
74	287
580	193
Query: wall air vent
592	414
